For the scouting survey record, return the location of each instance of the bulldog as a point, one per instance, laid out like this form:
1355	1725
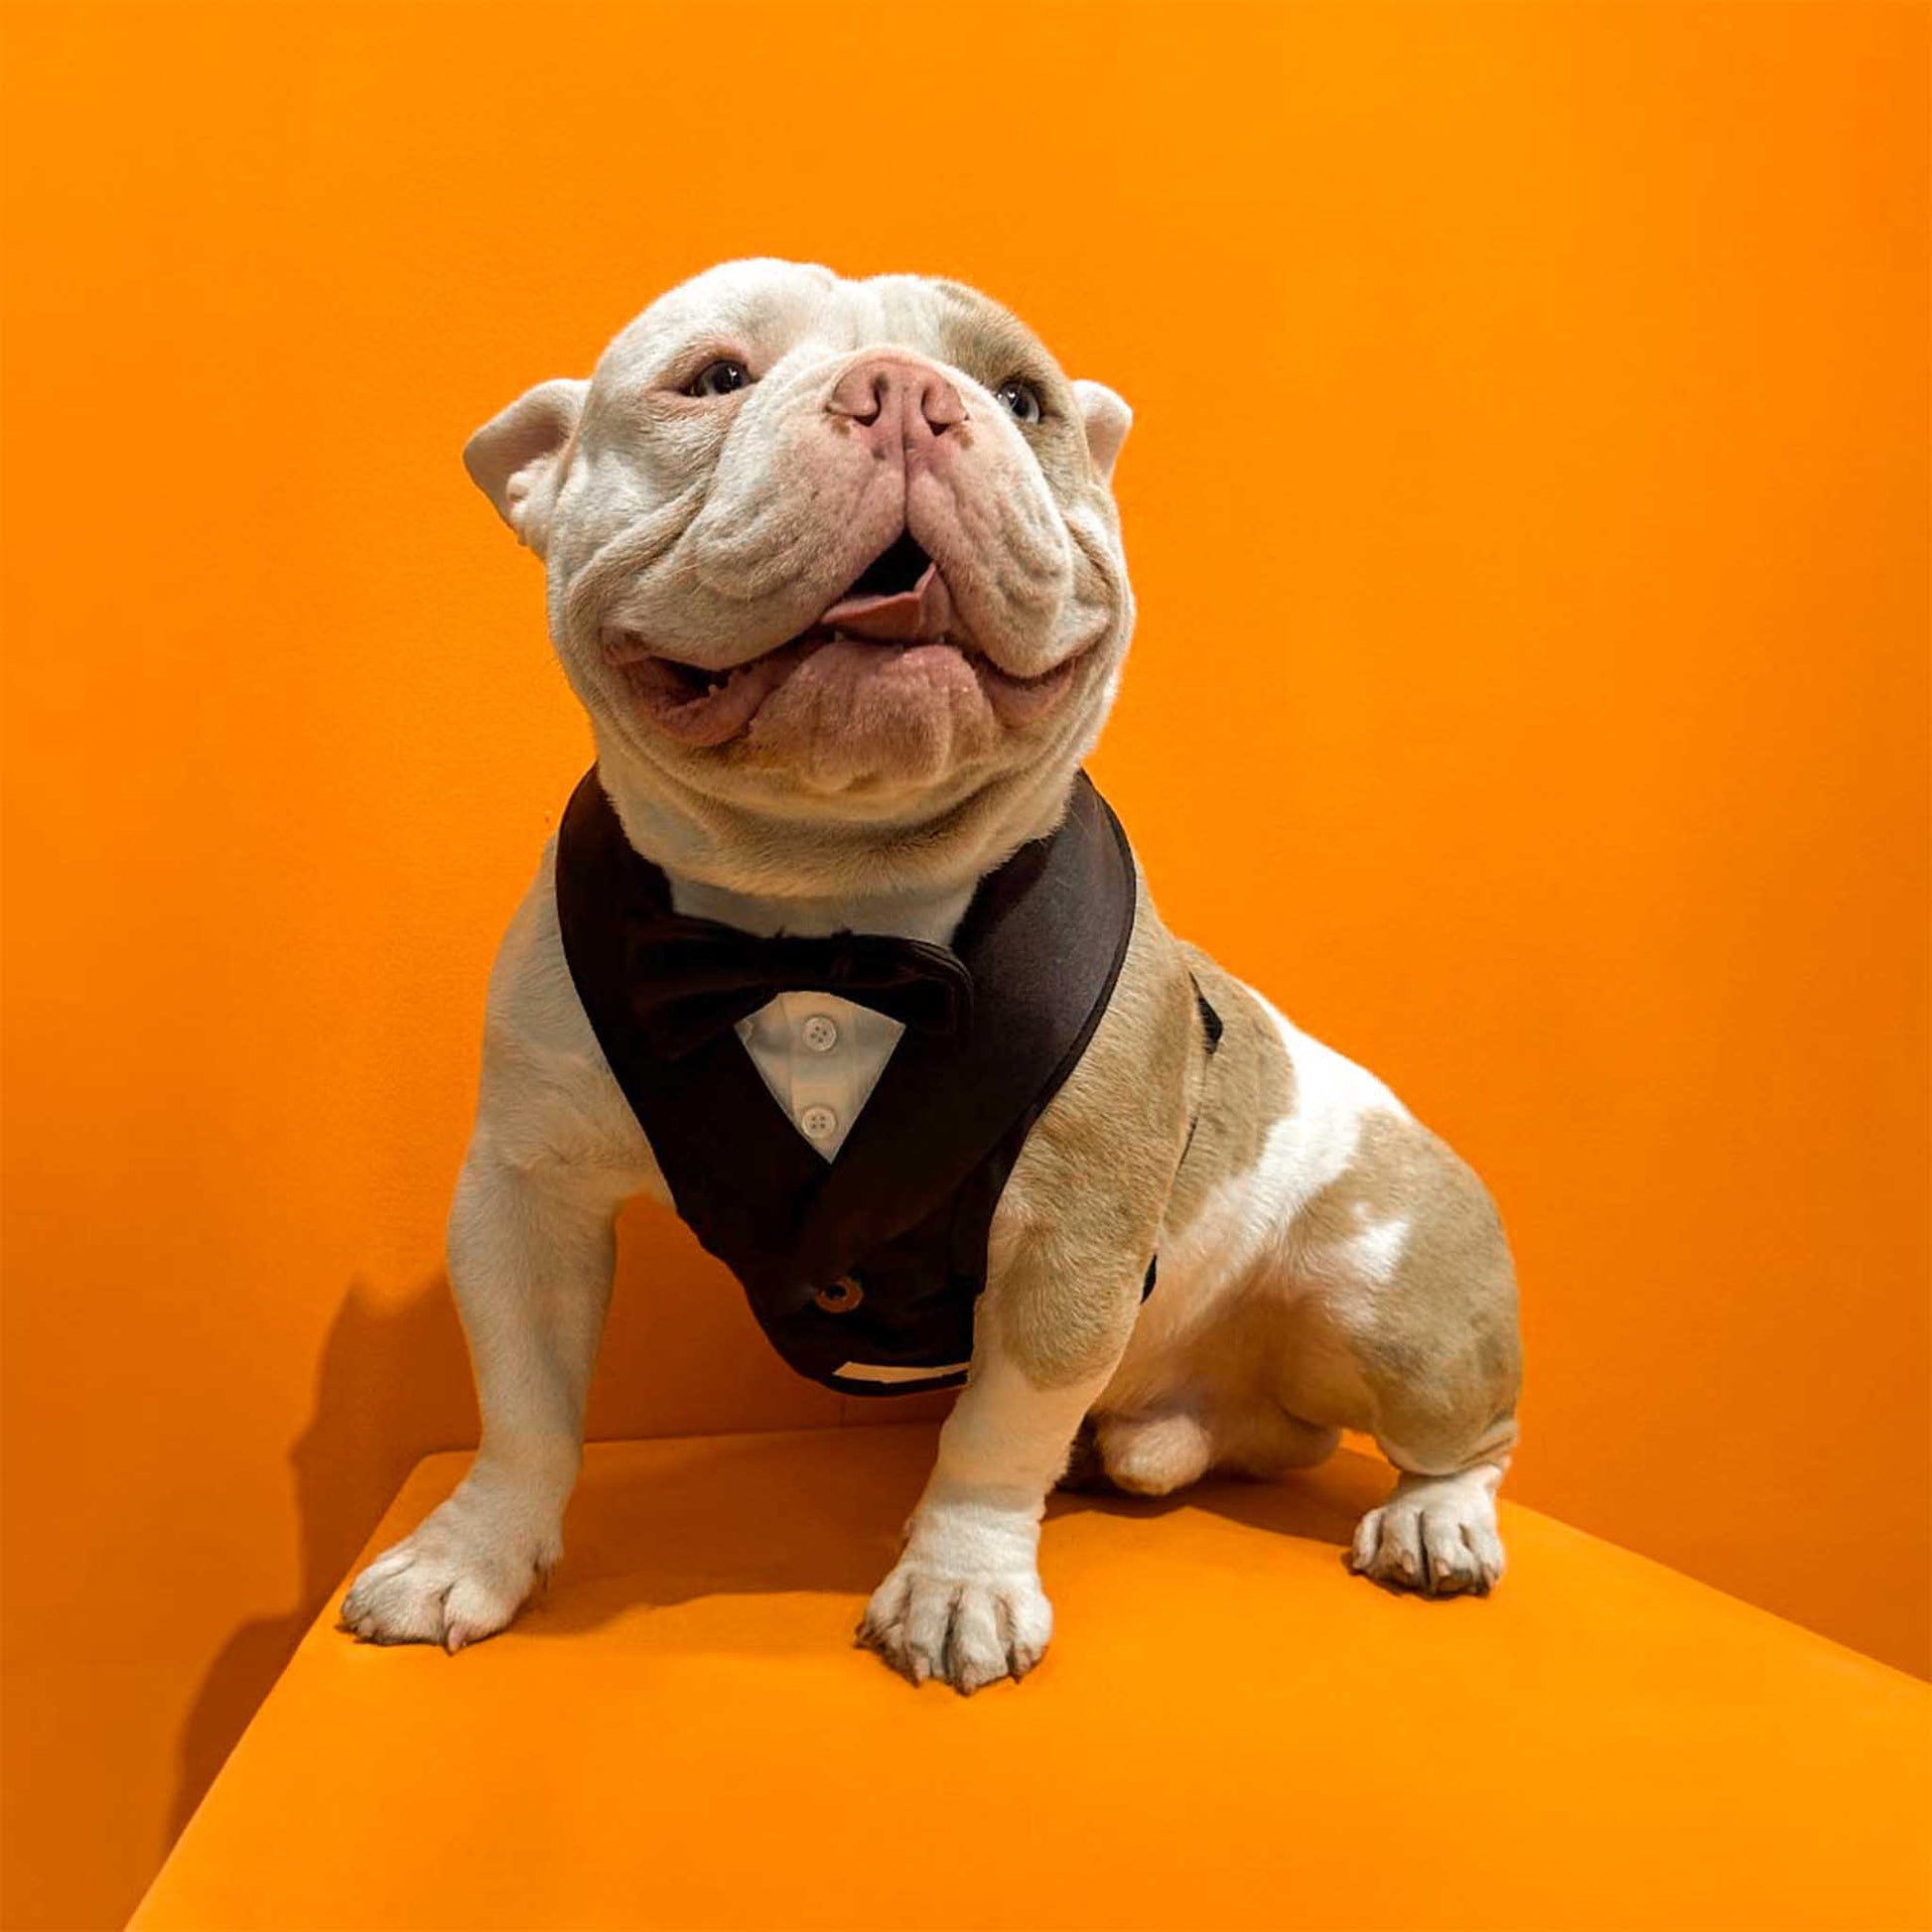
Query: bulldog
839	955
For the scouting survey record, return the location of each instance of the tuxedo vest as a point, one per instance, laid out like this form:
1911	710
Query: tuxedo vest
863	1271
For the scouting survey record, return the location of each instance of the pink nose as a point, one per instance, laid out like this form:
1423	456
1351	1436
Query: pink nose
894	397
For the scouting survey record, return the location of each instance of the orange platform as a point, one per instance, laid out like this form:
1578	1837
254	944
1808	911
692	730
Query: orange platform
1229	1731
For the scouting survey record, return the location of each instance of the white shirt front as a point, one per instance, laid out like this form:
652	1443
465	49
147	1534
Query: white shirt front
821	1056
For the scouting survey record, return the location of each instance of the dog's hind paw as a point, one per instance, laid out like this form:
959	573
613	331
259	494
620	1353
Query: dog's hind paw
1436	1535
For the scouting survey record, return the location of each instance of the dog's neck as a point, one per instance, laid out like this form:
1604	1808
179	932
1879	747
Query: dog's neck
767	875
929	915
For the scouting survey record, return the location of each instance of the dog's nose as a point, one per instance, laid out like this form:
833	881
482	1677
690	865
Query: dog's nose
896	398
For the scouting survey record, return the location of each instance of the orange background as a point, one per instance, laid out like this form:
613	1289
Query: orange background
1528	507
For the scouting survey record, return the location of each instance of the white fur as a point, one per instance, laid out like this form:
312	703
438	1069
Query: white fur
1371	1256
658	514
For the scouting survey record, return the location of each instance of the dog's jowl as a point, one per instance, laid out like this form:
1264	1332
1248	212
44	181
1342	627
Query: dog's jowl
839	955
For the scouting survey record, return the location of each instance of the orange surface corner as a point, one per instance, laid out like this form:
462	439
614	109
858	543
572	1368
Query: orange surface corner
1230	1732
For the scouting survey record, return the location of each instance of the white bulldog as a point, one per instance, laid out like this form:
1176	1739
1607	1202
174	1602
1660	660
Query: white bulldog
765	461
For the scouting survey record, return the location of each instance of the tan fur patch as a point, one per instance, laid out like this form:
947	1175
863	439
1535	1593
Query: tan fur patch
1436	1341
989	341
991	344
1081	1215
1248	1087
1386	1304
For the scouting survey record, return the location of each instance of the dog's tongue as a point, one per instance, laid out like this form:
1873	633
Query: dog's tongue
925	611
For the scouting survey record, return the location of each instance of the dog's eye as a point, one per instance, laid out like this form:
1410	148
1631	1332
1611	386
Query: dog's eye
719	378
1022	399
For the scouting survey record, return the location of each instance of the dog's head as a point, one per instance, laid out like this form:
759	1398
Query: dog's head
835	569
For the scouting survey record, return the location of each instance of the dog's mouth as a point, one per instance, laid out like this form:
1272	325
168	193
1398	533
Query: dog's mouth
896	618
901	567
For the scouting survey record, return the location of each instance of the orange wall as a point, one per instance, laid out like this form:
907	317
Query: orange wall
1528	507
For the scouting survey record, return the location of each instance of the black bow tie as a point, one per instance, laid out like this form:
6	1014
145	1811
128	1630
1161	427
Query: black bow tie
691	980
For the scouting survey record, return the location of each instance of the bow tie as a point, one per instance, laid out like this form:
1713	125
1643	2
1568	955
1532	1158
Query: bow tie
692	979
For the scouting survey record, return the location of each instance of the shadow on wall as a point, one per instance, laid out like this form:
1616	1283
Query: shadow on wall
682	1354
393	1386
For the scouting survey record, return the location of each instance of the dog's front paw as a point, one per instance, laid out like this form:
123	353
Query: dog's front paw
1435	1534
966	1629
460	1577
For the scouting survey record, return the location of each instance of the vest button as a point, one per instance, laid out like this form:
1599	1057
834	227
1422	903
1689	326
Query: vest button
840	1298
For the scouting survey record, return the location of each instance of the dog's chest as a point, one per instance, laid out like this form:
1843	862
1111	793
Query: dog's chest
843	1161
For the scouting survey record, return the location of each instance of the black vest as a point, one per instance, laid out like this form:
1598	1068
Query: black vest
863	1271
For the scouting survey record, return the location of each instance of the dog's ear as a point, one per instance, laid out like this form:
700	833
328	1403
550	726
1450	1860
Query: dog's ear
518	457
1107	419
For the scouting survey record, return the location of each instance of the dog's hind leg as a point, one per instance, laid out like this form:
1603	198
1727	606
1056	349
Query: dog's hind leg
1409	1310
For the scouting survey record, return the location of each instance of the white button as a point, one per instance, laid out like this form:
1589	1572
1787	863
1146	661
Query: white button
821	1123
820	1033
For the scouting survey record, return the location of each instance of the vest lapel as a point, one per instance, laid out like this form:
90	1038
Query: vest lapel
1043	940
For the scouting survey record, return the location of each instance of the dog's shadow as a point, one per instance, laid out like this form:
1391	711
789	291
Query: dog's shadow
392	1385
743	1515
651	1525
